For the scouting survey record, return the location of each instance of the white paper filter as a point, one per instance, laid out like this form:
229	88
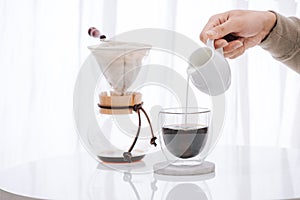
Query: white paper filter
120	62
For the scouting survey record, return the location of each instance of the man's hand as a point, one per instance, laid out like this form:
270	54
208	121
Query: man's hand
248	28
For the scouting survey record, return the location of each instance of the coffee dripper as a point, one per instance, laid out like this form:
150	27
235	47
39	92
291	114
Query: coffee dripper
119	139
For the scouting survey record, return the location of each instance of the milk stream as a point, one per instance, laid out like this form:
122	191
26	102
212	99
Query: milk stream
187	98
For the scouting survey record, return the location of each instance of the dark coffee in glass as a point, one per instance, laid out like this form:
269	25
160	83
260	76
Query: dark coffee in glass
185	140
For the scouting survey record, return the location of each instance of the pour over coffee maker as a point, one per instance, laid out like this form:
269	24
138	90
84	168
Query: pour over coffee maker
120	113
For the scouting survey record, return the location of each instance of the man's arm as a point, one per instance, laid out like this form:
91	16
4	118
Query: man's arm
283	42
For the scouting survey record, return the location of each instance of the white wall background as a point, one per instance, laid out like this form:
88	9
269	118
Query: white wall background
43	44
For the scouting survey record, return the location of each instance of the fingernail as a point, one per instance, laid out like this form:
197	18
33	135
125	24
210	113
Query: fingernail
238	45
211	32
223	44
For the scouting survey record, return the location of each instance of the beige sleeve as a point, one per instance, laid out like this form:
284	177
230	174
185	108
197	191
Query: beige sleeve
283	41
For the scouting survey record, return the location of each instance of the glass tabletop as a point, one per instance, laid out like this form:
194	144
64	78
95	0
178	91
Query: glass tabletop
242	172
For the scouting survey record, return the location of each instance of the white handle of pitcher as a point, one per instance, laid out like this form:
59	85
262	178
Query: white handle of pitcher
210	43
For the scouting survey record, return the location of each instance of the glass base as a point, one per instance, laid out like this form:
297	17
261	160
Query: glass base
165	168
194	178
116	156
186	162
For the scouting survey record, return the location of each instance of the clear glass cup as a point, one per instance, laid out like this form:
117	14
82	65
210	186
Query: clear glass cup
184	134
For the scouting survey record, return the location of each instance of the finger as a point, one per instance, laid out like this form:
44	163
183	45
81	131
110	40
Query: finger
220	43
203	36
212	22
222	30
232	46
236	53
251	42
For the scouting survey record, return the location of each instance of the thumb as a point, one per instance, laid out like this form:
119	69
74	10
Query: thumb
220	31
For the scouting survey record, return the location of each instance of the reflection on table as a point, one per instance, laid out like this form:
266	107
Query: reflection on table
241	173
106	183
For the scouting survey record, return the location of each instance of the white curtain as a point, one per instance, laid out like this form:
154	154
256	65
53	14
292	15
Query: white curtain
43	44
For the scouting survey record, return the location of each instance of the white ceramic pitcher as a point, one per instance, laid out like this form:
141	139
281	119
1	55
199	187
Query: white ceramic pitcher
209	71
